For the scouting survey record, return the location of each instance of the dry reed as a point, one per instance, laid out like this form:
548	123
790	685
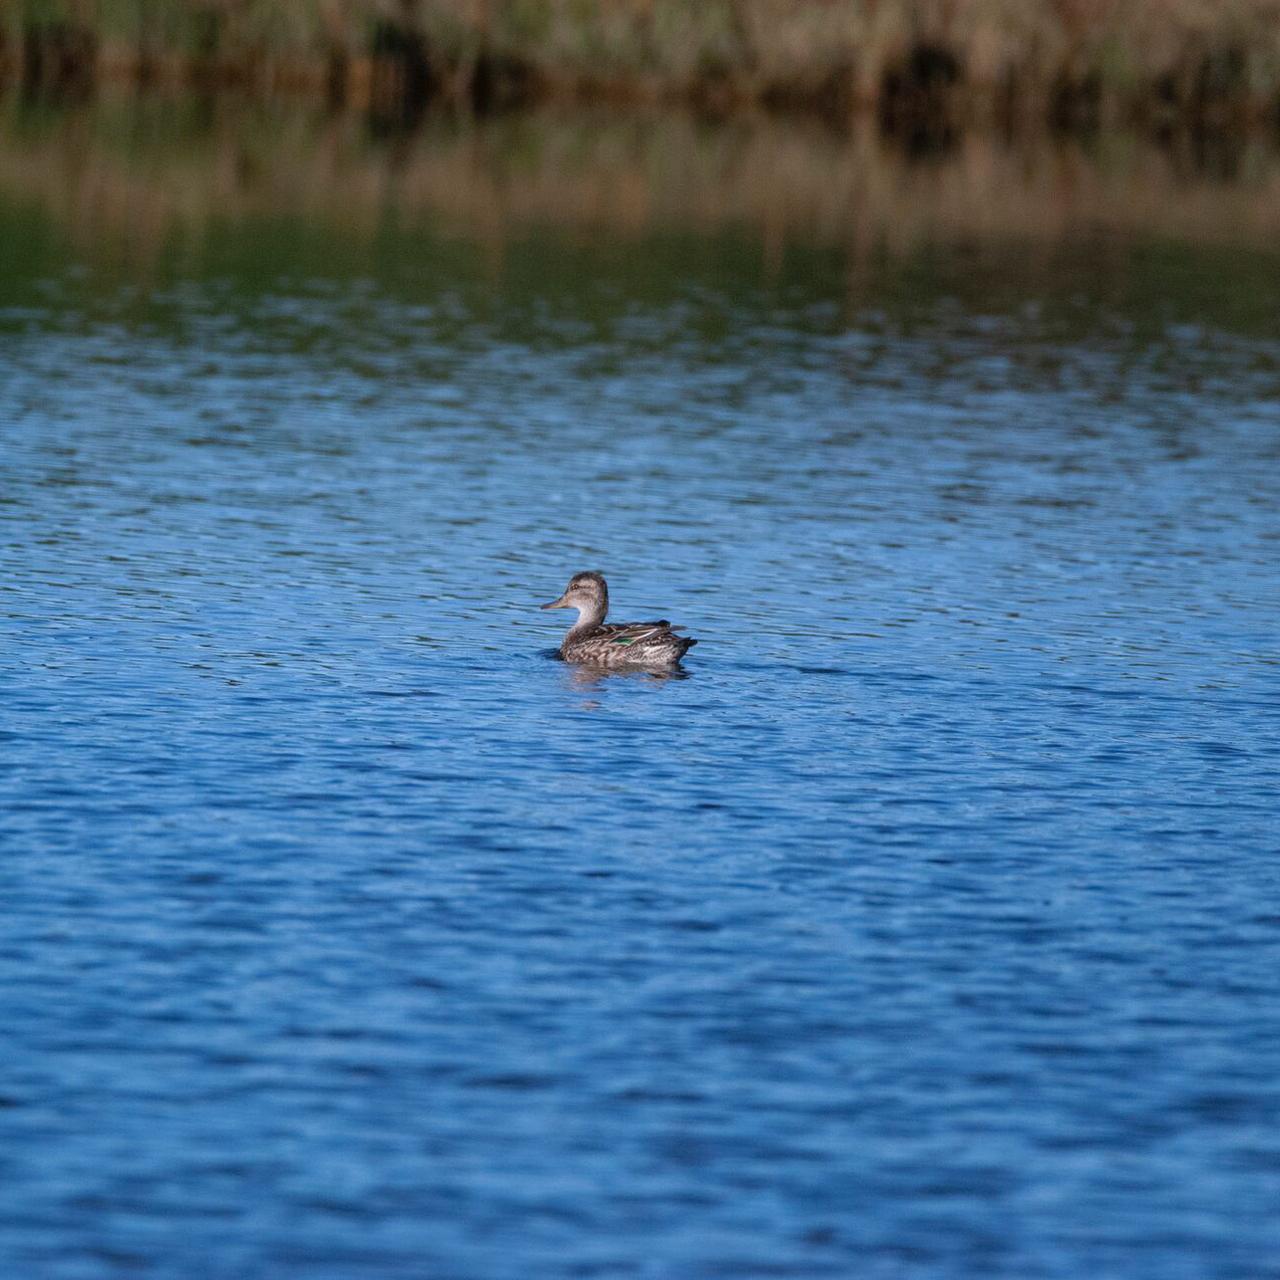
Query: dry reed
1064	61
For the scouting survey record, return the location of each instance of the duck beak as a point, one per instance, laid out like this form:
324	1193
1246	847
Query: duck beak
555	604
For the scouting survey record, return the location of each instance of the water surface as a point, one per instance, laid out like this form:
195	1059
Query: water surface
928	927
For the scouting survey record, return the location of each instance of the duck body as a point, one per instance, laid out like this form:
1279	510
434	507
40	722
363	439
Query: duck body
627	644
597	643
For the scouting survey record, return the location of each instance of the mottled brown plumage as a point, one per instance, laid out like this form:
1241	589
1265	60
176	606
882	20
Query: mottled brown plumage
594	642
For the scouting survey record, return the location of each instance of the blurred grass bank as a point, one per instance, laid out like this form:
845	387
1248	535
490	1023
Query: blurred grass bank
144	180
1067	63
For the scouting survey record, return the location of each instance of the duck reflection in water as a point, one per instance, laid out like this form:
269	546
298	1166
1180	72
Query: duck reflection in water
590	683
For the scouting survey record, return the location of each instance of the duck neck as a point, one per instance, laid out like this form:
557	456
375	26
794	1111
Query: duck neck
589	618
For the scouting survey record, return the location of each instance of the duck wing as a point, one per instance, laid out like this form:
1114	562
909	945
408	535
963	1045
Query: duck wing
622	630
638	633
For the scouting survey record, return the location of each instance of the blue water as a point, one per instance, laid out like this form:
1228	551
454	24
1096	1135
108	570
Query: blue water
927	927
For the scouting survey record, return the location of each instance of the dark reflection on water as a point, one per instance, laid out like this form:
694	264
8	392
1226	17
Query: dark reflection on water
927	928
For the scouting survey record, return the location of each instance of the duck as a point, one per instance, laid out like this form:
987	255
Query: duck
594	642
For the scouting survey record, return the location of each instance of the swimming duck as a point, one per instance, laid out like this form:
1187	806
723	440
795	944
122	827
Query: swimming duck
614	644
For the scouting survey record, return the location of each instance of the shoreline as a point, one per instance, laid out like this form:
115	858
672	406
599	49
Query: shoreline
1071	65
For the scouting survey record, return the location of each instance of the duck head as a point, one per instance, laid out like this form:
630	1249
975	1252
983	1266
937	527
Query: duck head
588	594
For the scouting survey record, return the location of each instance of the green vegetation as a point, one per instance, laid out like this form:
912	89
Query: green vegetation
1061	61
